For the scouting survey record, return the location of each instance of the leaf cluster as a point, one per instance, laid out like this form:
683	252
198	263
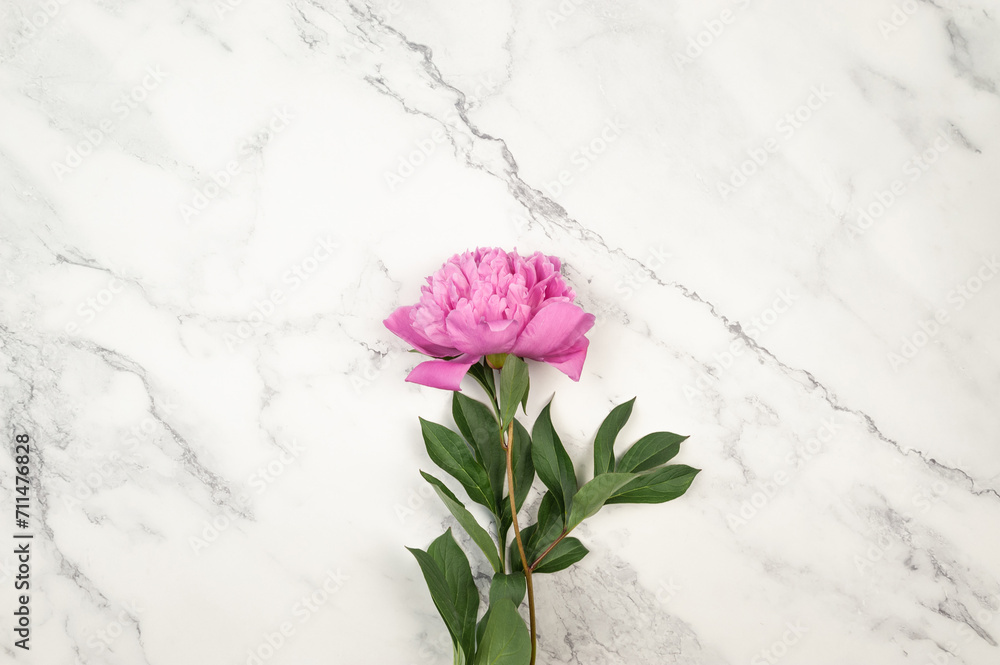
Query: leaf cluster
476	456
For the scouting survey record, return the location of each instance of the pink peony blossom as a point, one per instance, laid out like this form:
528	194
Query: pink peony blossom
493	302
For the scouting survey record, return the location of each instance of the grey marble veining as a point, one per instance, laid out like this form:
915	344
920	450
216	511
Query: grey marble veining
784	216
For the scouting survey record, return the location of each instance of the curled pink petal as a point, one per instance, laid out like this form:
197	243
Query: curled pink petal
400	323
553	331
571	362
444	374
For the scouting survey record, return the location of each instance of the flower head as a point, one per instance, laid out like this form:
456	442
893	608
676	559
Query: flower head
493	302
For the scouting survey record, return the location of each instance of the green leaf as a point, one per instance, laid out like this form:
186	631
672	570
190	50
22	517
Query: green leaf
461	587
604	443
514	555
565	554
438	586
524	476
480	428
453	590
505	522
524	468
483	374
552	462
657	486
506	640
651	451
468	522
548	527
449	451
511	586
481	628
513	388
594	494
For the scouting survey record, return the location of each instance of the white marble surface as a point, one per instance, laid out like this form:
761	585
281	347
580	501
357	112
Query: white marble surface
208	208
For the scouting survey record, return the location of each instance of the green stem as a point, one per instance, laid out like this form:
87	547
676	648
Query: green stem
499	514
517	535
549	549
508	446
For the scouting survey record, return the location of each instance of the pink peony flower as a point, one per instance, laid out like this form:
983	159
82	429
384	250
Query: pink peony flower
493	302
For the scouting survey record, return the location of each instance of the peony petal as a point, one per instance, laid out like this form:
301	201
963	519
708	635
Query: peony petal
554	330
571	363
443	374
480	338
399	323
